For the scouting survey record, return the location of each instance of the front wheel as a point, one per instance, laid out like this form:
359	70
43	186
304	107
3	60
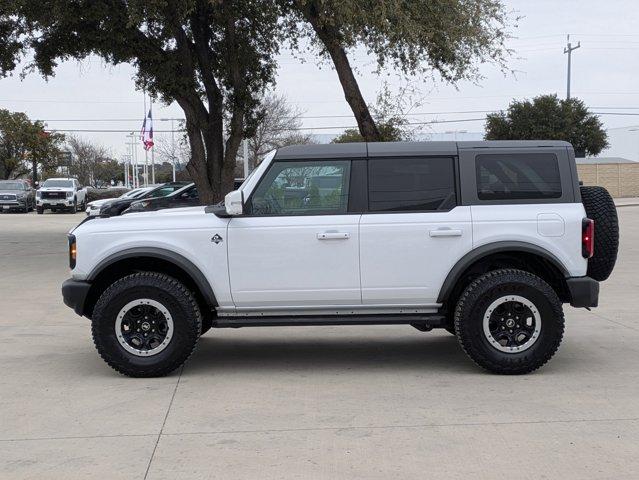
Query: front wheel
146	324
509	321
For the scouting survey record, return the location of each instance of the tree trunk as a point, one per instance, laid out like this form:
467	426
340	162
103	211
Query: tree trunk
208	167
329	36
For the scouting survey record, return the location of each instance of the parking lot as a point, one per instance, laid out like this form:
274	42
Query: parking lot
374	402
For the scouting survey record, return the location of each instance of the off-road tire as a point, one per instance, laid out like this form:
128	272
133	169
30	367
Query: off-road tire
162	288
600	207
39	210
476	299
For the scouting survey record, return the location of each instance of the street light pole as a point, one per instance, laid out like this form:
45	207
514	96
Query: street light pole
569	48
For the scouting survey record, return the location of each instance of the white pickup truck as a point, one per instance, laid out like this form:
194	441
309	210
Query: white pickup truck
484	239
61	194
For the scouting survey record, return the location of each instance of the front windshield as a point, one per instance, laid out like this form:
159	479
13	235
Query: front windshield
162	191
11	186
140	193
58	183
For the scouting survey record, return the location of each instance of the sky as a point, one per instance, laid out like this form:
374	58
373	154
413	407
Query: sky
91	95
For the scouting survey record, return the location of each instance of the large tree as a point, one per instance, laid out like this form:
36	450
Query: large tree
547	117
448	38
25	146
213	57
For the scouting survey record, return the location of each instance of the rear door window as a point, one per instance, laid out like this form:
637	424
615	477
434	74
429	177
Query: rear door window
411	184
517	176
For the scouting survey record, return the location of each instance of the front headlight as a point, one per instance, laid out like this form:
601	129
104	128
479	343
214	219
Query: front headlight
38	194
69	194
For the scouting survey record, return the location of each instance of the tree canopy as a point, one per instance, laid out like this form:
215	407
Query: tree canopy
547	117
449	38
216	58
25	145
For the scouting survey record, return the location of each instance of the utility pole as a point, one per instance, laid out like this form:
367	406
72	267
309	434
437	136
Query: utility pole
569	48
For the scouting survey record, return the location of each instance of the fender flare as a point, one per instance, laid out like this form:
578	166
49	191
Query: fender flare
489	249
162	254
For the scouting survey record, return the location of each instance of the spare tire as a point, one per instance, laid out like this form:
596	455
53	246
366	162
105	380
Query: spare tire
600	207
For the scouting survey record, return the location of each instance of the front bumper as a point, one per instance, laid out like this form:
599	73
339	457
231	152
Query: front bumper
12	205
584	291
74	294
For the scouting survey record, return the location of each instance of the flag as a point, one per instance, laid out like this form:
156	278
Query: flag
146	134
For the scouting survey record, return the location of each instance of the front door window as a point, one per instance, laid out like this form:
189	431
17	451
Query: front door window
303	188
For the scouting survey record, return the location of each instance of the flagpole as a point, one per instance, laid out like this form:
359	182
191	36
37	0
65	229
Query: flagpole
146	152
152	149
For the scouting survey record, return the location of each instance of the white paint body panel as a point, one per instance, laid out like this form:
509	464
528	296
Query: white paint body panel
537	224
405	257
281	261
184	231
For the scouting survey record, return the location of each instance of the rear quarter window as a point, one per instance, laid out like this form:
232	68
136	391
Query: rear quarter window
517	176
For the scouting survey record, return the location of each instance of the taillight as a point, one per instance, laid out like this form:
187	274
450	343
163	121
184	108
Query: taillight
72	251
587	238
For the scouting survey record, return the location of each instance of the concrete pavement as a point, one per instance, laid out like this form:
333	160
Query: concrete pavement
310	403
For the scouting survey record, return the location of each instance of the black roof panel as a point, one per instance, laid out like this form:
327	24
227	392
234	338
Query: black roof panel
329	150
399	149
402	149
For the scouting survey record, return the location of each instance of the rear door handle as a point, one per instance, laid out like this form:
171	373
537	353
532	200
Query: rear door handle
445	232
333	236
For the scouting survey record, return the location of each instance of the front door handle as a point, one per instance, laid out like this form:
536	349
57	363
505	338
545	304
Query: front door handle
445	232
333	236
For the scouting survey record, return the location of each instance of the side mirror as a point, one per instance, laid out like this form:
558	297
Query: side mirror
234	202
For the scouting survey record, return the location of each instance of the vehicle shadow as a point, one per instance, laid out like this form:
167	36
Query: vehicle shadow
423	351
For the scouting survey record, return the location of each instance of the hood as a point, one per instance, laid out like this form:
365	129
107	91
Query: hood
173	219
184	211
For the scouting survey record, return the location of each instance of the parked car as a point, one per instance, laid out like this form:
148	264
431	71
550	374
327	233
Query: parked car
484	239
93	208
116	207
16	195
184	197
61	194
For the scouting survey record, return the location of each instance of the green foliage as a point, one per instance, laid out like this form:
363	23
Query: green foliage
24	143
549	118
214	58
450	37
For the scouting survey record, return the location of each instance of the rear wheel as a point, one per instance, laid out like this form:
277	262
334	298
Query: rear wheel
146	324
509	321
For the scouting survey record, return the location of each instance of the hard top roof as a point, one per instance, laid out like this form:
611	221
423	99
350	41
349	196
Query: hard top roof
383	149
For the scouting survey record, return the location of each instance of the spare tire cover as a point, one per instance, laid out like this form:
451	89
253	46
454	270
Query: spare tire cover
600	207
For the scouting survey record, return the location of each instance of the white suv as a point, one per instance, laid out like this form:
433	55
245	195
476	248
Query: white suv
484	239
61	194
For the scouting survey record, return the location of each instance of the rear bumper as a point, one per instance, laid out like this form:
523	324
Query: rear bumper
74	294
584	291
